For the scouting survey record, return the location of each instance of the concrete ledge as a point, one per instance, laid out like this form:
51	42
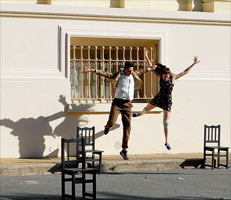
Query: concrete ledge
117	166
143	165
111	164
19	170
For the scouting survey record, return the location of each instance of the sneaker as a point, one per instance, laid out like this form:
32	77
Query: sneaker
106	131
123	153
168	146
137	114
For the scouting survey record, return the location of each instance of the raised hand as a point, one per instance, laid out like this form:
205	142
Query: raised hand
62	99
195	60
145	52
88	70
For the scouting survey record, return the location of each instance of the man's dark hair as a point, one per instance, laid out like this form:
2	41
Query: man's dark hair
128	64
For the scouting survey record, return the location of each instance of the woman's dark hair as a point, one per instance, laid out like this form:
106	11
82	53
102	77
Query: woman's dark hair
162	69
166	71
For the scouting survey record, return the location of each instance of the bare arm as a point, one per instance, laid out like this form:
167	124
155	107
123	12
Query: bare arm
108	75
152	66
195	61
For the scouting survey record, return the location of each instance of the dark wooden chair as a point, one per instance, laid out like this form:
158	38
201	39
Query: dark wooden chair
93	157
74	168
212	146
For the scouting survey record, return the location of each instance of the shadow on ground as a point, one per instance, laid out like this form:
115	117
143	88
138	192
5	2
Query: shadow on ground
108	196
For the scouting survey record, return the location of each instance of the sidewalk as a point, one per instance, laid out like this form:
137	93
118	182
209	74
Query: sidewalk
150	162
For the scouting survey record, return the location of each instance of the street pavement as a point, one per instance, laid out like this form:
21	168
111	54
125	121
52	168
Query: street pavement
178	184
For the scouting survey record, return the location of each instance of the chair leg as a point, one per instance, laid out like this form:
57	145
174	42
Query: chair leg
73	186
94	185
213	160
227	159
218	159
84	185
63	185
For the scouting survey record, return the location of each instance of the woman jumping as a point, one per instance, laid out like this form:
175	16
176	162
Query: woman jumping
164	97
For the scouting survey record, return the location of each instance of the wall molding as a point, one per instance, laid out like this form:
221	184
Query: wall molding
28	74
113	14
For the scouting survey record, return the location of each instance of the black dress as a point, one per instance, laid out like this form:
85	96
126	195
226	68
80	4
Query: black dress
164	97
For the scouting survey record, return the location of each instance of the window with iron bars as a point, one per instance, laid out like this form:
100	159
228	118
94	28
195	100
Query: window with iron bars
89	87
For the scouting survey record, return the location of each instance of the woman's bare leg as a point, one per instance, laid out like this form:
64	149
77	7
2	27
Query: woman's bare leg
166	117
145	110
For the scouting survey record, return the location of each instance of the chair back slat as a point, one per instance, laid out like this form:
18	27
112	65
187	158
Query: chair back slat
89	134
68	151
69	160
212	134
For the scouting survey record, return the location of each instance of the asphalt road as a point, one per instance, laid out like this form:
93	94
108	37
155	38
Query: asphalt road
199	184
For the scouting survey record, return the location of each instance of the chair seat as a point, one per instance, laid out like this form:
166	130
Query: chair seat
210	148
98	151
77	170
94	151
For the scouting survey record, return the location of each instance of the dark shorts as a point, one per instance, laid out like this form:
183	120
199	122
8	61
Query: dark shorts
164	103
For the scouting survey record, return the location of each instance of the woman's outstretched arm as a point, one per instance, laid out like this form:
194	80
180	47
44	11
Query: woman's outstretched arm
195	61
152	66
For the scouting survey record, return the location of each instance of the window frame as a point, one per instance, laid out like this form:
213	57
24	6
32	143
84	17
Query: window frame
132	32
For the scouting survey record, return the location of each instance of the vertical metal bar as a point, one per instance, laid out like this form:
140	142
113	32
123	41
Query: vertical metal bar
81	66
151	76
110	87
89	74
96	77
124	49
130	53
74	74
103	85
117	58
138	62
144	78
89	132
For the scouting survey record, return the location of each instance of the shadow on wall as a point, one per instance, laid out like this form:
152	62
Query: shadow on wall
197	5
189	5
31	131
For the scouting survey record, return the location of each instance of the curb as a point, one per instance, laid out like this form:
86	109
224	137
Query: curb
107	167
19	170
143	165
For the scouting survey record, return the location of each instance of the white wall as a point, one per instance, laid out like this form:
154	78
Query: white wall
33	83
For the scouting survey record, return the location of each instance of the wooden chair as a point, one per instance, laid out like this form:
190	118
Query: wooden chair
88	133
212	145
74	166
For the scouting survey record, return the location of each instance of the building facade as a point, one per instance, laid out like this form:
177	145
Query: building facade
45	45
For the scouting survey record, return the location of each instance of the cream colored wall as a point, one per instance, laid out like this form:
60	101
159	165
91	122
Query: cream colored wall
222	6
19	1
95	3
152	5
32	86
217	6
